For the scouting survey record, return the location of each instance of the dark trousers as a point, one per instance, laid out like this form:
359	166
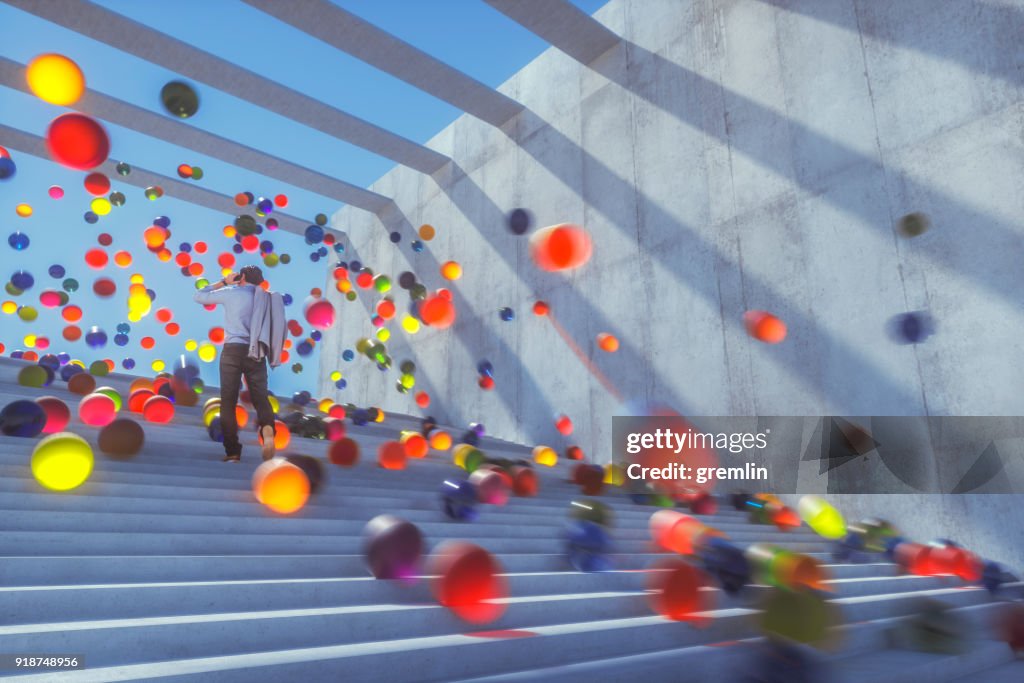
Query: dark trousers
234	363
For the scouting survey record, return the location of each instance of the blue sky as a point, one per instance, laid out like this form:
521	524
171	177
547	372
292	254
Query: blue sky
468	34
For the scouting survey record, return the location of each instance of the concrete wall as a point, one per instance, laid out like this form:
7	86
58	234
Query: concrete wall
728	155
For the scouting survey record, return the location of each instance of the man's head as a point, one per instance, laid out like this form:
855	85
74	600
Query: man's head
252	275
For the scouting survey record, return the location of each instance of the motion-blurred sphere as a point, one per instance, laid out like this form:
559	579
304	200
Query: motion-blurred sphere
824	519
519	221
913	224
490	486
560	247
675	590
911	328
459	500
312	467
393	547
764	326
97	410
281	486
62	461
608	343
468	581
798	616
159	409
726	563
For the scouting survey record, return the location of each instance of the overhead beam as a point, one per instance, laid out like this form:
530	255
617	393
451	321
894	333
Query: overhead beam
351	34
27	143
12	74
562	24
190	62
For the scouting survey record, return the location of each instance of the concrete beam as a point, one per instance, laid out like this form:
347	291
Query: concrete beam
562	24
349	33
26	143
12	74
190	62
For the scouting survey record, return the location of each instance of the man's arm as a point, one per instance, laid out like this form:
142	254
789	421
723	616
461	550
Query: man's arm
209	293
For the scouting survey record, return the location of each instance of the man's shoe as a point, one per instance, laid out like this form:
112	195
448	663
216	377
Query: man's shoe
267	434
232	458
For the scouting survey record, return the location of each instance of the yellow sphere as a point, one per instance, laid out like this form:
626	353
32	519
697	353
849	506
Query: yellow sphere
274	403
410	324
137	279
29	341
336	375
55	79
158	365
613	475
62	461
23	210
191	345
207	353
9	307
383	334
408	381
100	206
325	405
451	270
545	455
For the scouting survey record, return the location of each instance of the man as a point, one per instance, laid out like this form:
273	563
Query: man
250	322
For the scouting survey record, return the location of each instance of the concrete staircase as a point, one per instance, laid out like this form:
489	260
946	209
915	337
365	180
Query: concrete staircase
165	567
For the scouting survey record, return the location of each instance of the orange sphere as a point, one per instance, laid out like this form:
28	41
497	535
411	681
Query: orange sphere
451	270
608	342
281	486
282	436
440	441
241	415
764	326
415	444
541	308
437	311
423	399
137	399
158	409
560	247
391	455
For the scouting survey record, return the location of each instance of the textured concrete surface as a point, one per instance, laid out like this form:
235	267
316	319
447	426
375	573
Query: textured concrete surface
726	156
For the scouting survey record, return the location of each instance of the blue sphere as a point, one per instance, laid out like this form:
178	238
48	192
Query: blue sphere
128	363
121	339
395	237
459	500
19	241
314	234
485	368
124	328
185	247
314	257
348	354
96	338
7	168
417	246
22	418
287	298
56	271
507	314
23	280
339	248
90	217
304	348
162	221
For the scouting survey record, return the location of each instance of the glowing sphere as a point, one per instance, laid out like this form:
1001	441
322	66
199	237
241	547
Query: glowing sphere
393	547
62	461
440	440
764	326
608	343
319	313
77	141
57	414
824	519
451	270
122	438
414	443
282	436
563	424
675	590
524	481
344	452
545	455
773	565
23	210
437	311
96	258
97	410
560	247
159	409
391	455
677	532
55	79
281	486
22	418
468	581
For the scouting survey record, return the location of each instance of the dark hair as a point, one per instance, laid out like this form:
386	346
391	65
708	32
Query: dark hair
252	274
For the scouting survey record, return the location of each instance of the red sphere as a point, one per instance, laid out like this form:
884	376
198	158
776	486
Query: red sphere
104	287
560	247
468	581
391	455
97	184
438	311
563	424
344	452
524	481
158	409
57	414
676	590
423	399
764	326
490	486
486	383
97	410
77	141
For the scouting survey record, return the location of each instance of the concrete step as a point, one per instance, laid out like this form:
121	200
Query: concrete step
40	604
1010	672
474	653
79	570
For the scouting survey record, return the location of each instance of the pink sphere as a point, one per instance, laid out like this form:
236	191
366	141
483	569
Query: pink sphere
158	409
97	410
319	313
